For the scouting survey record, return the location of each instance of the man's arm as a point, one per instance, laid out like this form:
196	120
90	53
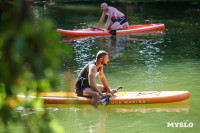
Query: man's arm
101	19
103	80
91	78
111	13
108	22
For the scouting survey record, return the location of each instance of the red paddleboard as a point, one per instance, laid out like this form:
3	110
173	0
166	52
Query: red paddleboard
99	32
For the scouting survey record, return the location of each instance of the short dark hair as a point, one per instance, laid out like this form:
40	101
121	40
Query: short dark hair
101	54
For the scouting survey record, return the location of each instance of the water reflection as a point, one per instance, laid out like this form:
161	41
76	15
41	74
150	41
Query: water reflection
138	108
88	119
84	52
143	108
86	47
152	56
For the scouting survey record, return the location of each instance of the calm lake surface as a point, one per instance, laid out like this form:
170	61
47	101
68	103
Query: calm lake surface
156	61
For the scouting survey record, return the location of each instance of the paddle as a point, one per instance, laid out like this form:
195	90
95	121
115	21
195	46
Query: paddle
112	32
105	100
94	28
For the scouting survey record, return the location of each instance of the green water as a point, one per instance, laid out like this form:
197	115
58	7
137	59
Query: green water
157	61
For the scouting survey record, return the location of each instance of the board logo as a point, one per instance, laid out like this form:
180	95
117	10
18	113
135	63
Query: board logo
180	124
129	102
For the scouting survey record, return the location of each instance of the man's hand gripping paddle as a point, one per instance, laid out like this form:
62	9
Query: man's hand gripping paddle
105	100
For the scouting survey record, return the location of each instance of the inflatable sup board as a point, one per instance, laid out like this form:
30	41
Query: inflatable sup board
99	32
142	97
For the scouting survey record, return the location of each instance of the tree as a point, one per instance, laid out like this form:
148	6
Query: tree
29	52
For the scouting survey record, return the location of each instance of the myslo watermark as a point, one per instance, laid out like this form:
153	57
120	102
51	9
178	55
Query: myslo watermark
180	124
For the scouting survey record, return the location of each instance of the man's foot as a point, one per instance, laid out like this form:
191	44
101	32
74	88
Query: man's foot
126	25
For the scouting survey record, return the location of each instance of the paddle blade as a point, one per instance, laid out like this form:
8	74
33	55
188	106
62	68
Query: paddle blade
104	100
112	32
119	87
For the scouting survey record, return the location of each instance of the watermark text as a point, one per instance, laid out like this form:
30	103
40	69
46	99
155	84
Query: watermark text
180	124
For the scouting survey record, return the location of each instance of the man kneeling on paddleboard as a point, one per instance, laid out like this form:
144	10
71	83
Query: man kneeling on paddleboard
116	19
85	83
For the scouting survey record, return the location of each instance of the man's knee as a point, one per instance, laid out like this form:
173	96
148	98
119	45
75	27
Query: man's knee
96	95
113	27
116	26
101	88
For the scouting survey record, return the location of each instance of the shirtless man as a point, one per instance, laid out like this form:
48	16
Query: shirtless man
116	19
85	83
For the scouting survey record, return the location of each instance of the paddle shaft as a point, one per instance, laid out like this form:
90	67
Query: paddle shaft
117	89
94	28
113	92
112	32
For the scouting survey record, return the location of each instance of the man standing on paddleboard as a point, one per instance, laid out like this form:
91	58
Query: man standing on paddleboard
85	83
116	19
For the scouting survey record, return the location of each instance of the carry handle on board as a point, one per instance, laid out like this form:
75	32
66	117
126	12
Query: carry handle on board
105	100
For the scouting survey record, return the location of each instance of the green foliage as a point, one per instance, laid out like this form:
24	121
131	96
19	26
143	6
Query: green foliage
29	52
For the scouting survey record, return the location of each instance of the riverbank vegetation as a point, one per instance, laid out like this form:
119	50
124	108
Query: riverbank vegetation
29	52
